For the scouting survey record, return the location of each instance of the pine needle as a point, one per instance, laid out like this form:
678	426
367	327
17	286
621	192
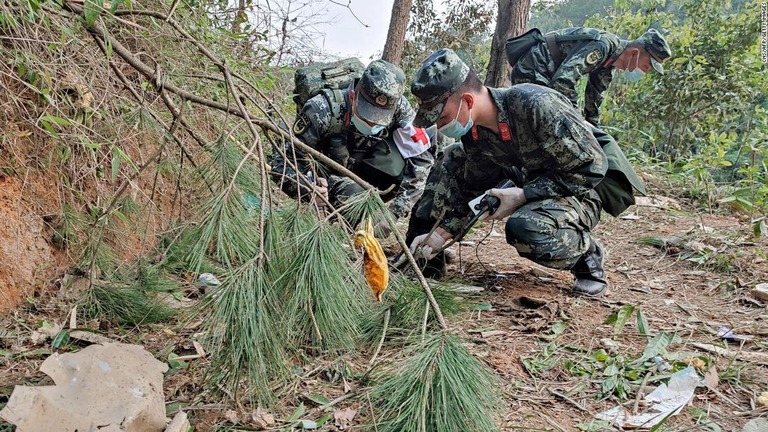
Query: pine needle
130	298
226	234
327	297
246	336
366	204
406	300
438	387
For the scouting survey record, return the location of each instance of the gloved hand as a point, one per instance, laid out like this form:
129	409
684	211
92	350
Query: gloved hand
511	200
427	245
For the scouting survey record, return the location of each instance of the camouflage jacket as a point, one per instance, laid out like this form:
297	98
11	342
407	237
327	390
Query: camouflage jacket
315	127
540	134
579	58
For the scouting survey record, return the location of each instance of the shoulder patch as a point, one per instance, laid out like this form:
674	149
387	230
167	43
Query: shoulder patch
301	124
594	57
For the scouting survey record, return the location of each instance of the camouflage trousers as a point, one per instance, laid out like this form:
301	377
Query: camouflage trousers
552	232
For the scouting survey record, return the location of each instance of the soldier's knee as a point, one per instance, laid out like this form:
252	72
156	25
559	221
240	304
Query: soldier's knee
525	229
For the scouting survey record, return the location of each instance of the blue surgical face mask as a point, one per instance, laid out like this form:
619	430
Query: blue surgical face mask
454	129
364	128
636	74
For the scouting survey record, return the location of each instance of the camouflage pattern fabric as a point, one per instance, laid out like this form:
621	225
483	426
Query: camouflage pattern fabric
314	126
563	163
580	58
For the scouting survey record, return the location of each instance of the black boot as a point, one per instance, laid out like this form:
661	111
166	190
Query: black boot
590	276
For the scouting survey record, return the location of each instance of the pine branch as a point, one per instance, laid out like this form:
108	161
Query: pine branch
438	387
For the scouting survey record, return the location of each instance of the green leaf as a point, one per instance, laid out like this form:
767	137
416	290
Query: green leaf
323	420
87	143
759	228
49	122
658	345
300	410
176	364
124	156
91	11
611	370
642	323
120	215
318	399
482	307
697	413
600	355
61	339
622	317
56	120
115	4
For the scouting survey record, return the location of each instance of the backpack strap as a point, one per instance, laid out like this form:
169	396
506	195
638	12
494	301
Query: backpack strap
554	50
335	101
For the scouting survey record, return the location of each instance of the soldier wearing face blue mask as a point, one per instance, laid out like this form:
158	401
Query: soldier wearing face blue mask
563	174
559	59
367	128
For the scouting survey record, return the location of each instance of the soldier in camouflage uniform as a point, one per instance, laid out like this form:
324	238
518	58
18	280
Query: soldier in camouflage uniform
561	58
526	128
372	135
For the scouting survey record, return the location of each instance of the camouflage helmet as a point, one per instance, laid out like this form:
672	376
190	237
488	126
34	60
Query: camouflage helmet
655	44
438	77
380	89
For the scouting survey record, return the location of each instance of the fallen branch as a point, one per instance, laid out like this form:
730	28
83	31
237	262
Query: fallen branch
749	356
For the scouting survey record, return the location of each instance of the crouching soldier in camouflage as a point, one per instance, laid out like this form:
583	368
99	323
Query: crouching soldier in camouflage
368	129
528	129
559	59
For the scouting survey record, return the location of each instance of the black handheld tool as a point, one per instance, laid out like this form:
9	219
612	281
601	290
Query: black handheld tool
488	204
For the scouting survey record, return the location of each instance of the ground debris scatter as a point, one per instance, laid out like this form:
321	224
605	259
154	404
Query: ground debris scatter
561	360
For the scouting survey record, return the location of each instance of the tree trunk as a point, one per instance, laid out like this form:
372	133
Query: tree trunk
512	21
398	24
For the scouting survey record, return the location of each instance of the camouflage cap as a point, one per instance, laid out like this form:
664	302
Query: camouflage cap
380	89
439	76
657	47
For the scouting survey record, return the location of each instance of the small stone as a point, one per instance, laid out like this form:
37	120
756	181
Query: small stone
762	400
760	291
609	345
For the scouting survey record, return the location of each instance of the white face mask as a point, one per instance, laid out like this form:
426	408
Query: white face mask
364	128
454	129
634	74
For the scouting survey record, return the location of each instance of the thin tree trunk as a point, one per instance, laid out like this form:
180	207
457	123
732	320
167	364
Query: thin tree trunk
512	21
398	24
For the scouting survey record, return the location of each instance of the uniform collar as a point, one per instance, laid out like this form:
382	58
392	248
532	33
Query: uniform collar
505	127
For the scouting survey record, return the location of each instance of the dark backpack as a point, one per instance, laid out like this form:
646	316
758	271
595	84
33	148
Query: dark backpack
328	79
519	45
